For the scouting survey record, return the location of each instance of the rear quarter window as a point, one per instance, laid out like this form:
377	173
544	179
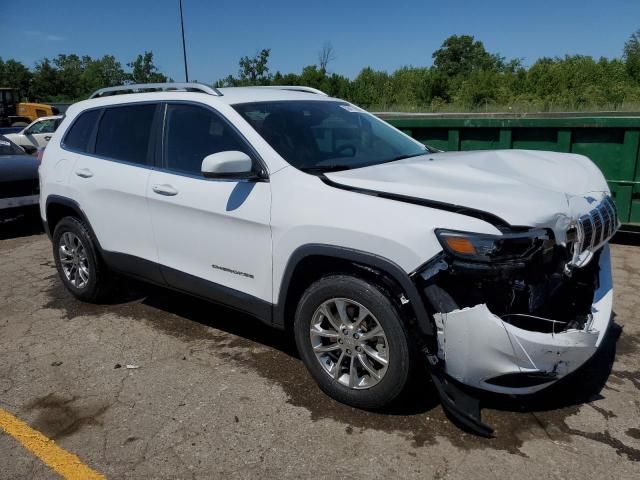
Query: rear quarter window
79	134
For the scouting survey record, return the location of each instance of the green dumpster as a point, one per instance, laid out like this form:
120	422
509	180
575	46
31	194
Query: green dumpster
610	140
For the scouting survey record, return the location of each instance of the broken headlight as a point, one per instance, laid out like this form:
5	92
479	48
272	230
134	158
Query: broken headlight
482	247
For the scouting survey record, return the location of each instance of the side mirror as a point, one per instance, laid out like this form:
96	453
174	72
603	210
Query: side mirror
230	164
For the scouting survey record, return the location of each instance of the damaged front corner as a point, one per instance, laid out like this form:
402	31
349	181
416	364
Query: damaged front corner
518	352
477	347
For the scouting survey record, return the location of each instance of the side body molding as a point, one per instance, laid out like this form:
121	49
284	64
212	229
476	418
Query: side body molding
166	277
357	257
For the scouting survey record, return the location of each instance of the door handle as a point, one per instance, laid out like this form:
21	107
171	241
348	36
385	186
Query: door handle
47	138
164	189
84	173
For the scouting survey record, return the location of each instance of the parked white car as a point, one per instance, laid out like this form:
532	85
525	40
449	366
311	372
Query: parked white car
317	217
37	134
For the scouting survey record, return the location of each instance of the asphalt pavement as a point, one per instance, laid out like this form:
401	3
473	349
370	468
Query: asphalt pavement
161	385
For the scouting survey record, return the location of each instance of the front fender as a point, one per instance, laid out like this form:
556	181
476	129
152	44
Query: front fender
361	258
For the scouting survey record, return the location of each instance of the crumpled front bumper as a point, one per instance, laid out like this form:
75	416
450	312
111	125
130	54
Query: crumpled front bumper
477	346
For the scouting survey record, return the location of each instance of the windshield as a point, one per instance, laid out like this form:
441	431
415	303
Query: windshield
9	148
317	136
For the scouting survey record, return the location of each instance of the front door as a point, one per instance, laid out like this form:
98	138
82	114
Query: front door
213	236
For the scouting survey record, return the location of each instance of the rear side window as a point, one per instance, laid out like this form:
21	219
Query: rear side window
78	136
124	133
43	126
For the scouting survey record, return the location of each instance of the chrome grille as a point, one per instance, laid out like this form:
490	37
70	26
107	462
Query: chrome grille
599	224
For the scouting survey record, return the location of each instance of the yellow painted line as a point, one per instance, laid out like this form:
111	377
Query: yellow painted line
66	464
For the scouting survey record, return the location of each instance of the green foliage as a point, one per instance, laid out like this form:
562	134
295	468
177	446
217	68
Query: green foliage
462	55
45	84
253	71
69	69
102	72
68	78
631	55
143	70
464	77
15	75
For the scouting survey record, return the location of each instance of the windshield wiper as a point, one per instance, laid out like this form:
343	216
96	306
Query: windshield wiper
338	167
326	168
402	157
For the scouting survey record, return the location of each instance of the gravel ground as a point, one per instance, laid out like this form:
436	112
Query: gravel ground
218	395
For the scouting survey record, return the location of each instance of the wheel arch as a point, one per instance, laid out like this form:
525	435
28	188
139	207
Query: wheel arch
57	207
310	262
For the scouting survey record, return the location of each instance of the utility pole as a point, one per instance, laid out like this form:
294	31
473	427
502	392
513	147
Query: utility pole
184	47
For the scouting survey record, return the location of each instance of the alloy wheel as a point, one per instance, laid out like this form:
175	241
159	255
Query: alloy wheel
349	343
73	260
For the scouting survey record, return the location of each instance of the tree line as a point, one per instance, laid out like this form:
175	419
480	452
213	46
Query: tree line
68	78
464	76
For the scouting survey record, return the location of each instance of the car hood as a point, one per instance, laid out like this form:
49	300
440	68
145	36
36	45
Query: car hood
18	167
522	187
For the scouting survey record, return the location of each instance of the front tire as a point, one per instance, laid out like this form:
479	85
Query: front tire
81	269
353	341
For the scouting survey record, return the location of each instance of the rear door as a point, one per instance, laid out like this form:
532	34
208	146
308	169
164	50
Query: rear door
213	236
111	180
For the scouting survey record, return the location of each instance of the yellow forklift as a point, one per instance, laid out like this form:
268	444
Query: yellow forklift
20	114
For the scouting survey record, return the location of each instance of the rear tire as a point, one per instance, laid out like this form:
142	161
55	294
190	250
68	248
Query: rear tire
346	329
79	265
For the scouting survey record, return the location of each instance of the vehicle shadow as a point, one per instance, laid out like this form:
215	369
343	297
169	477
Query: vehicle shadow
583	386
209	314
22	225
627	237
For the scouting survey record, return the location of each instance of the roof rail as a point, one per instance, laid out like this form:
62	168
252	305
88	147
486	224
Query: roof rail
297	88
142	87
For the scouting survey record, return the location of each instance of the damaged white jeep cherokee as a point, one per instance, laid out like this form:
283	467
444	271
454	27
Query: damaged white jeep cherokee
315	216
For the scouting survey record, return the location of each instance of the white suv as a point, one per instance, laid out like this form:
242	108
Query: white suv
317	217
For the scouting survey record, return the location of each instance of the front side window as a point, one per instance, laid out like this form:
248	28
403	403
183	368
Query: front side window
192	133
124	132
78	136
317	136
